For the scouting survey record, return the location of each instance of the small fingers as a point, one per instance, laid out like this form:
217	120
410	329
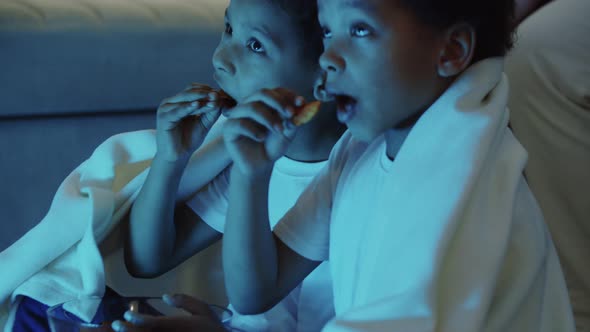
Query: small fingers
282	100
214	100
192	93
188	303
137	322
260	113
176	112
195	85
122	326
211	94
195	91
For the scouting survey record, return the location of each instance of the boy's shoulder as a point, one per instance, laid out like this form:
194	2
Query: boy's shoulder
346	147
349	151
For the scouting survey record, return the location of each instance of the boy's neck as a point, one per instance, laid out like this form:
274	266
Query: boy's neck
394	139
314	141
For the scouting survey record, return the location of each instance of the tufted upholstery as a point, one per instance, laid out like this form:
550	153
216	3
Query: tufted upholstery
108	14
86	55
74	72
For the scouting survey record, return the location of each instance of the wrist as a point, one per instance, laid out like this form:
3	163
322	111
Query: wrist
170	164
252	174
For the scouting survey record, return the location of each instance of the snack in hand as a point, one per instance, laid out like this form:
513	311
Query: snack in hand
227	100
305	113
224	101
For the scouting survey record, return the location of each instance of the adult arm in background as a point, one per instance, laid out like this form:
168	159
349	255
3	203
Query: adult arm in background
524	8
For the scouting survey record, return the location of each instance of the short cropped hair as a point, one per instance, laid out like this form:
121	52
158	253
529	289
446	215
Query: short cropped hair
493	21
304	14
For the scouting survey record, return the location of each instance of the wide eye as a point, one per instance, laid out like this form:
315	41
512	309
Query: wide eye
255	45
360	30
228	29
326	33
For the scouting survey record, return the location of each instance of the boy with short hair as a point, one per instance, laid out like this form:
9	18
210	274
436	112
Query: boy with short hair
266	44
422	209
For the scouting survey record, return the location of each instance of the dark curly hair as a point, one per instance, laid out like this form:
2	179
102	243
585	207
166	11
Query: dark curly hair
493	21
304	14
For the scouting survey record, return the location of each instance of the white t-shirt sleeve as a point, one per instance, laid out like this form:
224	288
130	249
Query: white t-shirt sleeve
305	228
211	202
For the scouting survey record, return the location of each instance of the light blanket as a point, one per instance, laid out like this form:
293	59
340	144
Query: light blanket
59	258
483	258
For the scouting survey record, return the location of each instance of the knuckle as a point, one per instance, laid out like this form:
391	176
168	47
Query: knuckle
197	89
165	101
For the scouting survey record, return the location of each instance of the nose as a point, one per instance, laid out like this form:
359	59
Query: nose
222	59
331	61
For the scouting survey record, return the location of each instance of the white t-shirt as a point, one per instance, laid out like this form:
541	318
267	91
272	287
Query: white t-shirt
309	306
346	216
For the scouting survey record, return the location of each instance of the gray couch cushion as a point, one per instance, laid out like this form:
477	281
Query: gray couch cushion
74	72
63	56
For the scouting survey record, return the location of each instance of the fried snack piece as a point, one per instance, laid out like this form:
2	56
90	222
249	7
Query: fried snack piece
306	112
226	99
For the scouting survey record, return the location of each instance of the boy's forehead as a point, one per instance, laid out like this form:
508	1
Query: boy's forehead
254	24
263	16
369	6
259	13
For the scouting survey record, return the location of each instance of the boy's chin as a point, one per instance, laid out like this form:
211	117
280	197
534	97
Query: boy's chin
230	92
232	95
361	135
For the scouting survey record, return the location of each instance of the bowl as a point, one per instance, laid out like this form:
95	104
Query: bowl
96	314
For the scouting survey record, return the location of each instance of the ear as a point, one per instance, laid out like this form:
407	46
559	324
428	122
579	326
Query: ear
457	51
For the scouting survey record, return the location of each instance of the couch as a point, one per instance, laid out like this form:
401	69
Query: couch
73	73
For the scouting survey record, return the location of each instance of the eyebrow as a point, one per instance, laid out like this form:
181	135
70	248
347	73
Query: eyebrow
263	30
356	4
361	4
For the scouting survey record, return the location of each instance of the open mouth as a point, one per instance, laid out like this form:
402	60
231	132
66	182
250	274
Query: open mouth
226	98
346	107
226	102
319	90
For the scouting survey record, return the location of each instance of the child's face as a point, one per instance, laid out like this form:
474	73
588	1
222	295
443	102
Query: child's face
381	63
260	49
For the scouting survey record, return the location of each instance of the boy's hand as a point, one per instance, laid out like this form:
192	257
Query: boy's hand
202	318
259	130
184	120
